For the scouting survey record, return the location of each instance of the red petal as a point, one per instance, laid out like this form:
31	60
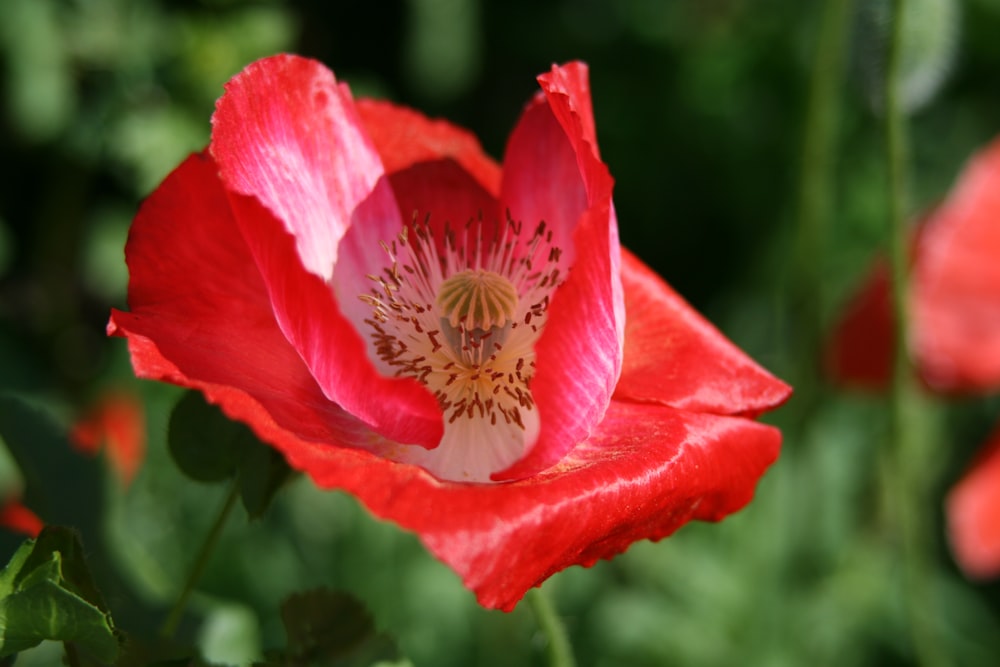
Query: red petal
645	472
973	509
441	193
436	169
675	357
289	138
311	318
87	435
861	347
287	134
17	518
543	178
552	173
404	138
572	80
200	315
117	419
956	283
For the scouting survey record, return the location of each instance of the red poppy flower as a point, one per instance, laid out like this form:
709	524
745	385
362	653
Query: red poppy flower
118	422
973	510
463	346
954	332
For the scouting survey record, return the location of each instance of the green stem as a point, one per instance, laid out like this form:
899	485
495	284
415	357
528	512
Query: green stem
905	468
559	649
72	657
898	236
198	567
815	184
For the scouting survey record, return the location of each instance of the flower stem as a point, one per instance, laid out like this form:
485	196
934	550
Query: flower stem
198	567
816	174
905	471
895	160
72	657
559	649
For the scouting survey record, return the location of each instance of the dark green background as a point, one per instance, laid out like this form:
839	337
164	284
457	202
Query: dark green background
700	108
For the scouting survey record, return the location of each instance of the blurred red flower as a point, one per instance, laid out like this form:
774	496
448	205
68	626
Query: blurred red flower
954	300
117	421
17	518
954	337
973	511
493	373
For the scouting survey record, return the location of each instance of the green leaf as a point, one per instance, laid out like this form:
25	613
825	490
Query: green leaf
262	473
46	592
13	567
332	629
61	486
205	444
74	571
209	447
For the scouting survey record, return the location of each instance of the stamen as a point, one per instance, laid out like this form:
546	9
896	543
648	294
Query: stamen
446	310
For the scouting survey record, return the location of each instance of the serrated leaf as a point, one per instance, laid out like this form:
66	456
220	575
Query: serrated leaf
73	569
332	629
48	611
204	443
48	593
262	473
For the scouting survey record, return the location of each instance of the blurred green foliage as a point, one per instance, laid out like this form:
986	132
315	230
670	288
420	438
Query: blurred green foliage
700	111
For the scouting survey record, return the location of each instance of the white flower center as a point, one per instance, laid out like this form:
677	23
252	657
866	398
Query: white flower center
461	314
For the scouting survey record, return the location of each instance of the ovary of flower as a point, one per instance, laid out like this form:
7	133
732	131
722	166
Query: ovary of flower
478	299
463	318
